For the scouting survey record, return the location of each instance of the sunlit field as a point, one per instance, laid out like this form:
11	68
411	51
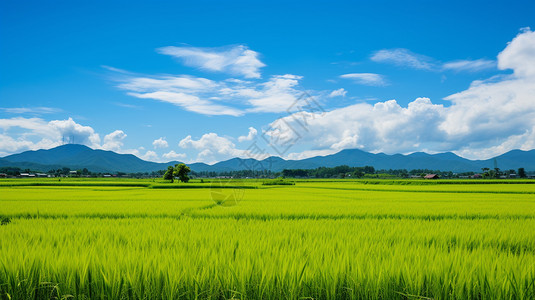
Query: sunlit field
317	239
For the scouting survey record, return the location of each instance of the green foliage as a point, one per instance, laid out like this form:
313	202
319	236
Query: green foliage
169	174
4	220
521	173
325	172
181	171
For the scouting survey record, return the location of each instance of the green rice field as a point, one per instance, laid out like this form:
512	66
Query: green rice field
317	239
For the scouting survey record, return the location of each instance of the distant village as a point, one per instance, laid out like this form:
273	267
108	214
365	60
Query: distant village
339	172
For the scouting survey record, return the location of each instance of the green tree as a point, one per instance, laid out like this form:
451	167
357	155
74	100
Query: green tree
181	171
521	173
169	174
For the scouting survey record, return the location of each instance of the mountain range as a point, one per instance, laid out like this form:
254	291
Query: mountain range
79	156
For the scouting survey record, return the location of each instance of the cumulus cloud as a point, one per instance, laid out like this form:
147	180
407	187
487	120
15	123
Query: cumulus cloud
149	156
519	55
276	95
21	134
366	78
341	92
160	143
75	133
236	60
385	126
114	140
212	147
172	155
250	136
489	118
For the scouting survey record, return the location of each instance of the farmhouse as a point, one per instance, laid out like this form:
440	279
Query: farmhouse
431	176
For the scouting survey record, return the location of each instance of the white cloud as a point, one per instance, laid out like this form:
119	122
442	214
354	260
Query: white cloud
237	60
226	97
172	155
75	133
406	58
167	83
31	110
366	78
114	141
520	54
149	156
488	119
277	95
338	93
21	134
403	57
160	143
213	147
230	96
469	65
190	102
309	153
385	126
250	136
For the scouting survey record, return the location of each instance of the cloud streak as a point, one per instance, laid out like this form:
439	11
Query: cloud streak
470	65
235	60
371	79
405	58
233	97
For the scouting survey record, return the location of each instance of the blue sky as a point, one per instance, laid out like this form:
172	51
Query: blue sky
210	80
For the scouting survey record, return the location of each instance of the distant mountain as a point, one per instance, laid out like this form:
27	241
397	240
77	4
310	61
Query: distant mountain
79	157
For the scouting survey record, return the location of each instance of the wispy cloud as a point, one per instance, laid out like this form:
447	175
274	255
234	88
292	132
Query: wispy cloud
231	96
403	57
132	106
470	65
236	60
190	102
31	110
406	58
366	78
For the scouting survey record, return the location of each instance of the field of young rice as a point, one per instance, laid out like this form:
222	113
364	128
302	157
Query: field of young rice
311	240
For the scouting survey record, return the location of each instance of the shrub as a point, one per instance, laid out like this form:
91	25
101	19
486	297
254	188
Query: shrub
5	221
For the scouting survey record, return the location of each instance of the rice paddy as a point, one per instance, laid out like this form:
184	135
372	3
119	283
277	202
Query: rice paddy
130	239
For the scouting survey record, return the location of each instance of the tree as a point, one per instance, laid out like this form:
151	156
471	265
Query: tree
181	171
521	173
169	174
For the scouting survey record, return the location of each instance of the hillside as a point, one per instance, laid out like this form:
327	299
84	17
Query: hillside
79	156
